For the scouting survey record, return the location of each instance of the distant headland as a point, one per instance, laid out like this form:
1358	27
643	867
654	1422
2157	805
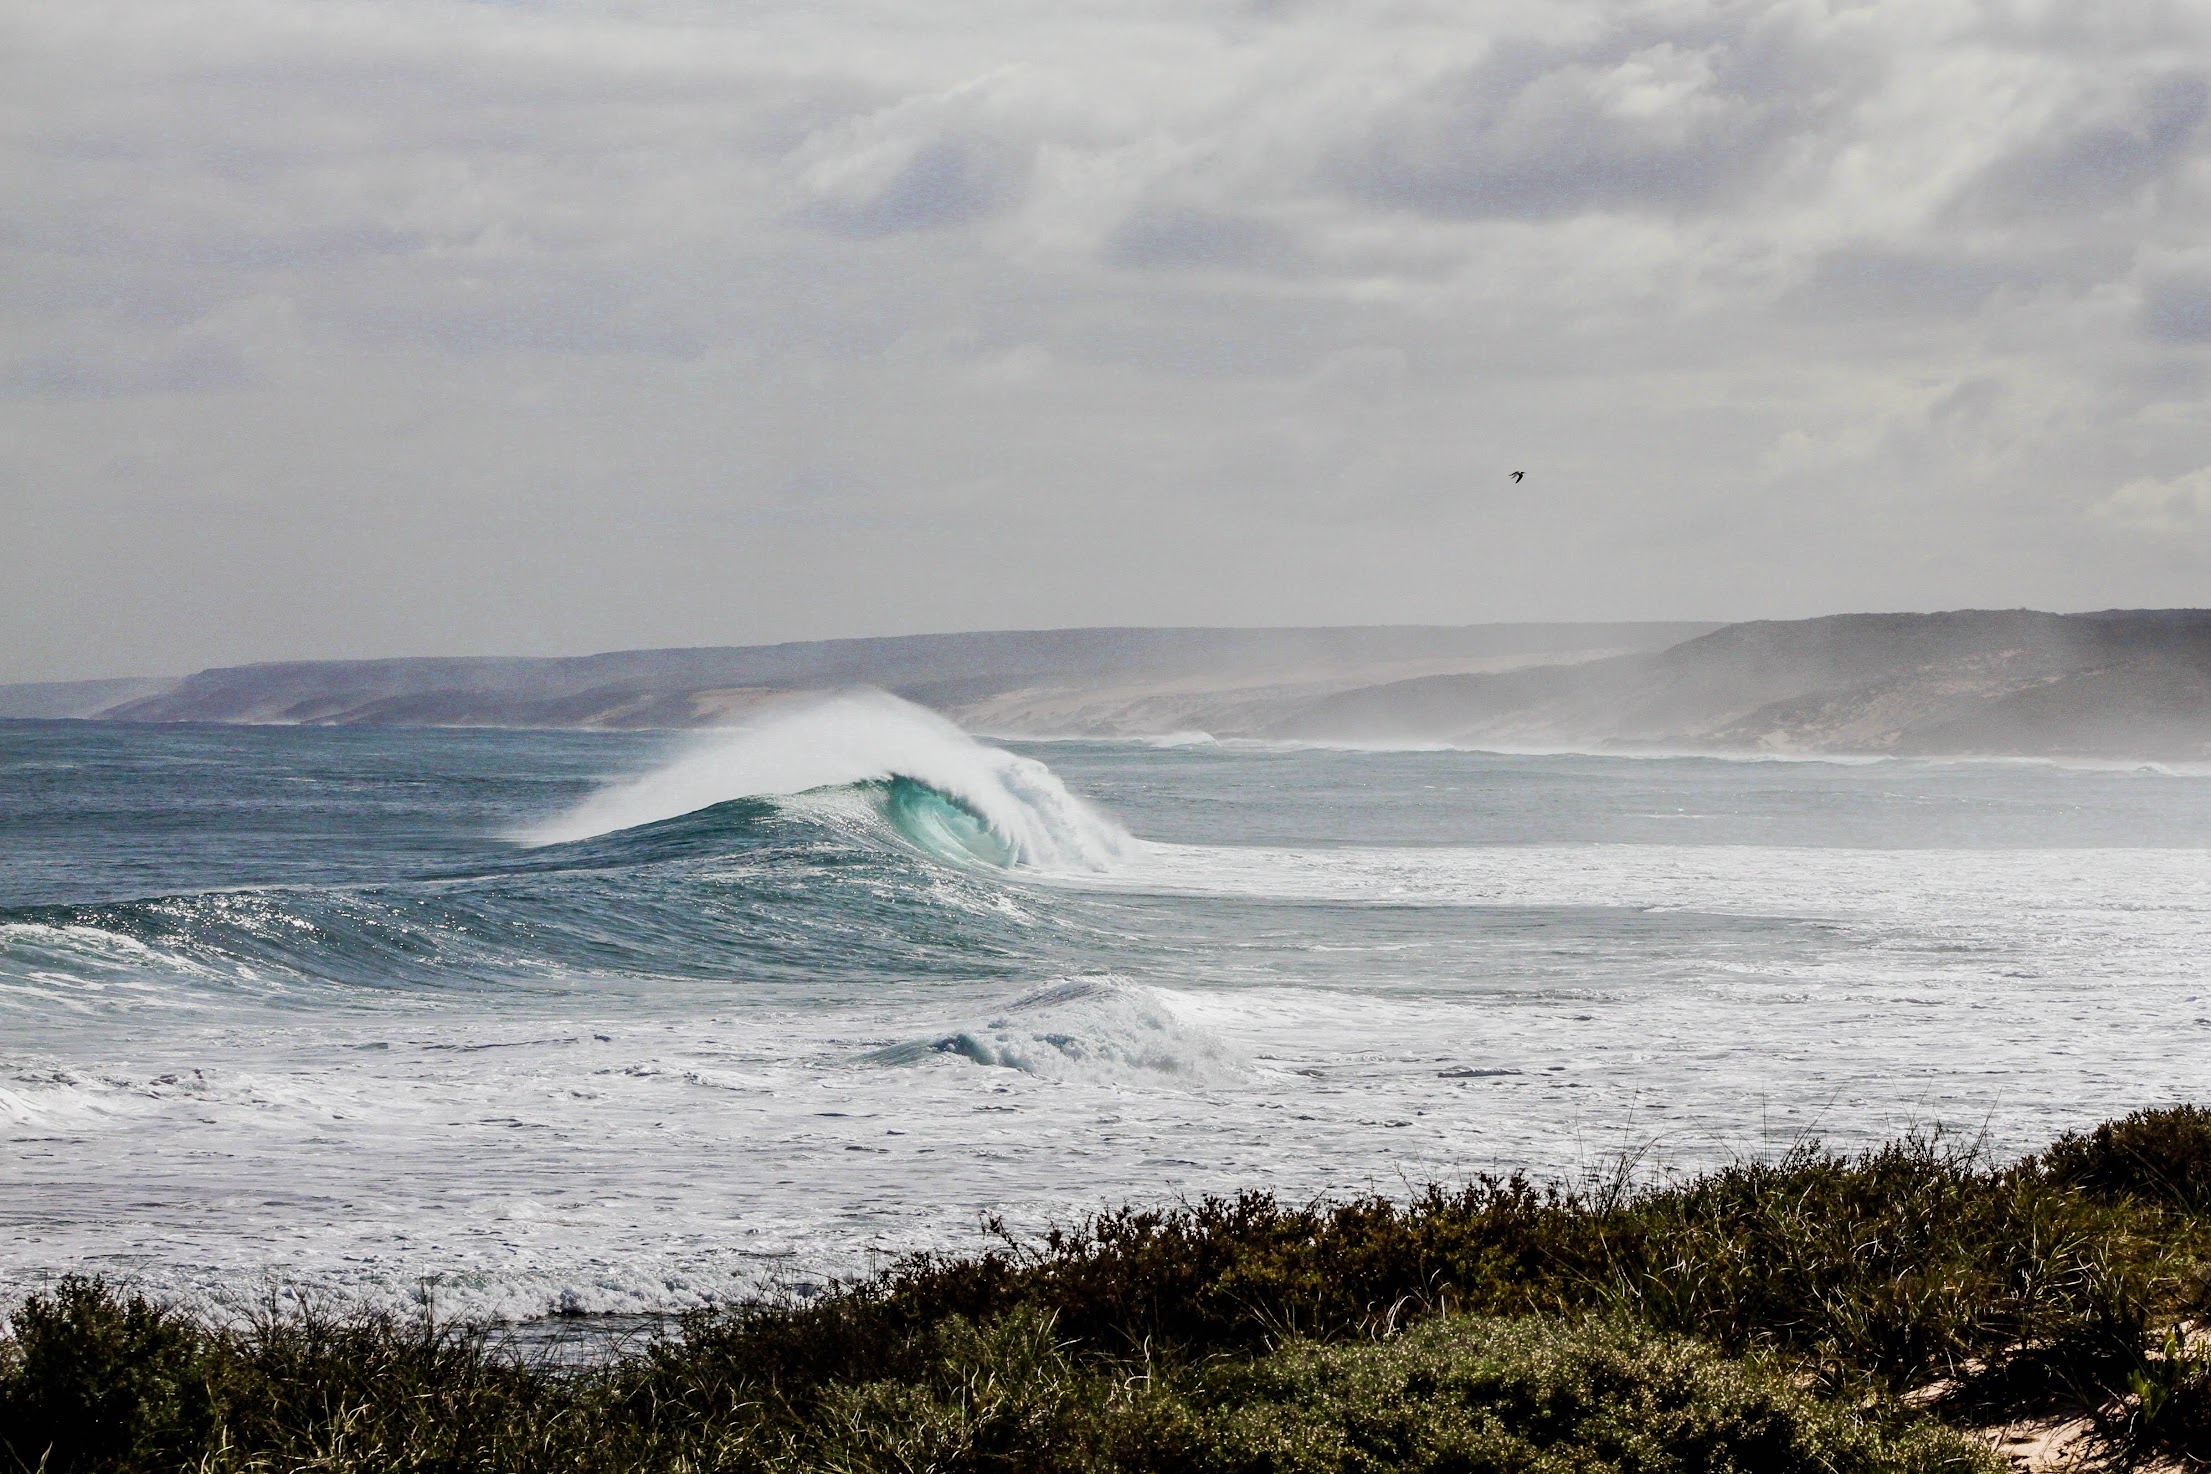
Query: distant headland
2118	684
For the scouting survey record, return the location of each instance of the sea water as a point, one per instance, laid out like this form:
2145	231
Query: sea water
580	1022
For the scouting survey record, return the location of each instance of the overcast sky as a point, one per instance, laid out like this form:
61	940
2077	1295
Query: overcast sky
331	327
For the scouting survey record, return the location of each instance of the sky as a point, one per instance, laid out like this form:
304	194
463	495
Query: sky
377	327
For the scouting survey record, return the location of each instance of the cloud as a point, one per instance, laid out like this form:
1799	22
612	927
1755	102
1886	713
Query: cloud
2170	504
1186	236
1914	283
926	163
1632	120
2176	307
223	351
404	325
2100	151
192	367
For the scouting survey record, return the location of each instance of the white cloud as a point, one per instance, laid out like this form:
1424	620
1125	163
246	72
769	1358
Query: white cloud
344	327
2170	504
942	160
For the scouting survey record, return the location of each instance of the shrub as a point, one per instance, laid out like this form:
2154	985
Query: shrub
1907	1263
1458	1394
98	1381
1474	1393
326	1389
1451	1331
1910	1262
2160	1156
998	1396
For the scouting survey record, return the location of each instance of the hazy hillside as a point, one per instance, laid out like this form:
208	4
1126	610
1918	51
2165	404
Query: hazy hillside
1097	681
64	699
2124	683
2121	684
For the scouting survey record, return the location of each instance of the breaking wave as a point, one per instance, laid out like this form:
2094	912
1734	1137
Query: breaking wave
941	789
1086	1027
852	832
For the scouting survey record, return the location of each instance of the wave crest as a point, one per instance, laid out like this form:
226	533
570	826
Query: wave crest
941	788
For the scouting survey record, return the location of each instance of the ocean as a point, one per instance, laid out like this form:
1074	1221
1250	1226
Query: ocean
535	1023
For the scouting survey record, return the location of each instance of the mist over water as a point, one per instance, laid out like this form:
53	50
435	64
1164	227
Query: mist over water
612	1022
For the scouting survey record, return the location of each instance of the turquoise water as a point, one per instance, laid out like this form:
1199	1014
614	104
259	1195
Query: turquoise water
620	1022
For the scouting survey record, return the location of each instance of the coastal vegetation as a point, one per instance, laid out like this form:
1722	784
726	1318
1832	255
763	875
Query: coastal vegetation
1876	1313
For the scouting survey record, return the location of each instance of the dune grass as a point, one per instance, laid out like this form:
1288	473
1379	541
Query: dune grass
1764	1316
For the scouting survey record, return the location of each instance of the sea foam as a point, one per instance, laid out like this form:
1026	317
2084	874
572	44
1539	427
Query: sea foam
1098	1029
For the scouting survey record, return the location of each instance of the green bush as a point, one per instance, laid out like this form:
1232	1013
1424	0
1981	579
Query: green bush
1902	1265
2156	1155
1909	1263
1728	1321
1007	1396
1459	1394
313	1389
1466	1394
1000	1396
98	1381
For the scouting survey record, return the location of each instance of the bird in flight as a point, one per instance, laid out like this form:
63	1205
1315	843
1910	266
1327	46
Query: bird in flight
1518	474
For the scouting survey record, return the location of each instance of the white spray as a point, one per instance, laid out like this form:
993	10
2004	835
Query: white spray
859	736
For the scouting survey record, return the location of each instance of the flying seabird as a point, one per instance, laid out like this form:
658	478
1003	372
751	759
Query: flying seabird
1518	474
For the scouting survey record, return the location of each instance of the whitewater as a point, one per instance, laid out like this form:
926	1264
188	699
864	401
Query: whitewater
541	1023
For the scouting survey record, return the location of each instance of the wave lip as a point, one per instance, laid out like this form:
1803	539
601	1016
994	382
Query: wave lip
939	787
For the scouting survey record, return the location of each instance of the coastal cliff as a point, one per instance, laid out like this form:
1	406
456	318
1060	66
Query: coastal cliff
2120	685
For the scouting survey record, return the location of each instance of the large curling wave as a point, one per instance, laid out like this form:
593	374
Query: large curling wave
816	838
957	798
